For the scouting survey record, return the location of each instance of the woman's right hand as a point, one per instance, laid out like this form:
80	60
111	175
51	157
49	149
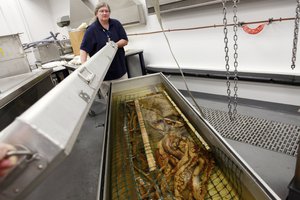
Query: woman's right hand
6	163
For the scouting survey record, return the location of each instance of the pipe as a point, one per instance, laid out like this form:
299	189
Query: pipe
270	20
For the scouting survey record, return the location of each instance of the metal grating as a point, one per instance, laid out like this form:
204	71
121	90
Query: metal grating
271	135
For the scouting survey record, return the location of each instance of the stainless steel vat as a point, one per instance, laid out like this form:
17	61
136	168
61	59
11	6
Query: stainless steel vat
18	93
119	179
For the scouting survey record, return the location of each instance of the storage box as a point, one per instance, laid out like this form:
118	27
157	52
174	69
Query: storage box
13	60
47	52
76	37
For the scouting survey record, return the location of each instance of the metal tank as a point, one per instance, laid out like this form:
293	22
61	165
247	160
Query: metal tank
158	146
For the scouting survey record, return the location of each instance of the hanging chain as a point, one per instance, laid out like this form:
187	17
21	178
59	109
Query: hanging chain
225	30
235	47
296	31
231	113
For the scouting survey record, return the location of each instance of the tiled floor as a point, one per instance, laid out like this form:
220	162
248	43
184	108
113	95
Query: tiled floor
276	169
76	178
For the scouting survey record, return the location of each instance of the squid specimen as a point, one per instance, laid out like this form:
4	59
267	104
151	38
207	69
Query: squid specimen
183	166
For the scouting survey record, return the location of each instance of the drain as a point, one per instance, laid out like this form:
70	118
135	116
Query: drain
271	135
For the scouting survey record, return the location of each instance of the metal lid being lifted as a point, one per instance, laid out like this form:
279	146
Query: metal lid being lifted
47	131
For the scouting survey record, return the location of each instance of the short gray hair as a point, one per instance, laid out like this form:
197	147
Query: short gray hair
100	5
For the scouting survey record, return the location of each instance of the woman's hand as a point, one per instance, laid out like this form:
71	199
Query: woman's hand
121	43
6	163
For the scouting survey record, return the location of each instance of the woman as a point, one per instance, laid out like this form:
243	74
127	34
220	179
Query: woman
6	163
101	31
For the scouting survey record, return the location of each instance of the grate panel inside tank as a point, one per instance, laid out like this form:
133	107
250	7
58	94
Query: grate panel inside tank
275	136
157	154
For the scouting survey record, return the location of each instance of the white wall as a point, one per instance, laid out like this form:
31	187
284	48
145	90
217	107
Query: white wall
26	16
30	18
12	20
267	52
33	18
275	93
59	8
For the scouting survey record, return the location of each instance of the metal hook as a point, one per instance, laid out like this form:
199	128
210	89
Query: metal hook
20	151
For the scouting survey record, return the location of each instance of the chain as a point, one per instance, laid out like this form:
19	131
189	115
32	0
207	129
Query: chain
235	47
225	30
296	31
231	112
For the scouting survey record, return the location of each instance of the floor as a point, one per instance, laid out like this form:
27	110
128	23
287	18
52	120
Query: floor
77	177
275	168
